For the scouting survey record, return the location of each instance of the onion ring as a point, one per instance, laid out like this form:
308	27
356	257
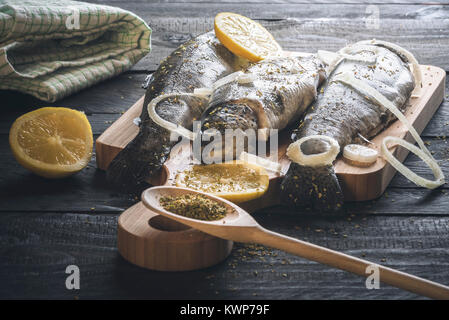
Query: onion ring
167	124
350	52
372	94
416	70
378	98
204	92
328	57
295	153
409	174
333	59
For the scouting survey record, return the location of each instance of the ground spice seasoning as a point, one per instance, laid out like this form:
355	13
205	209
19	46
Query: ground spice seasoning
194	206
222	178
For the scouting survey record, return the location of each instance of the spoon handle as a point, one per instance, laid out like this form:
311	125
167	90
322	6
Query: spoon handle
349	263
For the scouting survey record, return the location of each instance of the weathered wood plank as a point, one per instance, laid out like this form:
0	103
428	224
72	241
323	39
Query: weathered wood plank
207	2
105	102
88	190
395	201
84	192
428	40
422	29
36	248
438	126
111	96
98	121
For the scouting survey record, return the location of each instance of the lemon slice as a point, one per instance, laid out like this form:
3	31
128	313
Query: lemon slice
52	142
236	181
245	37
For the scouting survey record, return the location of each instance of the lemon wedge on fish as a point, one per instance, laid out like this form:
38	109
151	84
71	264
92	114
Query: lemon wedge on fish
52	142
236	181
245	37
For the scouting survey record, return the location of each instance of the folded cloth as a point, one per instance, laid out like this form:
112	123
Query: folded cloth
53	48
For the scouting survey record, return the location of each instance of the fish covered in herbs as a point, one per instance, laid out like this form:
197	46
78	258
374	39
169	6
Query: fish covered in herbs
348	110
366	87
195	64
270	94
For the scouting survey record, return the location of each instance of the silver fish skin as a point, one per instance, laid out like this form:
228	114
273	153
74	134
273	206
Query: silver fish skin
195	64
344	114
281	91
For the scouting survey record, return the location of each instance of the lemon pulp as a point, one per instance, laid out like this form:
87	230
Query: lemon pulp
236	181
245	37
52	142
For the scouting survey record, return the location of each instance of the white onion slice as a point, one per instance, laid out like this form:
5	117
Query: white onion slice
360	154
263	162
205	92
246	78
416	70
328	57
295	69
345	53
375	96
350	52
295	153
331	59
364	139
238	76
225	80
409	174
166	124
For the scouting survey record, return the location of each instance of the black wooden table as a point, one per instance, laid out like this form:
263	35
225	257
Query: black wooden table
46	225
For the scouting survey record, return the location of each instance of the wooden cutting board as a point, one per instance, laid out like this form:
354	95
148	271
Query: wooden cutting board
358	184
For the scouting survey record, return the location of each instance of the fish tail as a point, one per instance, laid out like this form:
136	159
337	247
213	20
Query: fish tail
132	167
316	188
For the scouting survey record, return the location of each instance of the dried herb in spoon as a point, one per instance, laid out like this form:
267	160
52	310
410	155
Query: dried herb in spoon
194	206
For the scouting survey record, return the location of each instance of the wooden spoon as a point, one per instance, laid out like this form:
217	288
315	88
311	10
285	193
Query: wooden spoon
239	226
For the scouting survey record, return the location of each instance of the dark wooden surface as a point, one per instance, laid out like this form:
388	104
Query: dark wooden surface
46	225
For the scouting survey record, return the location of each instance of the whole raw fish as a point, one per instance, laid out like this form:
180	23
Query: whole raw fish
197	63
347	116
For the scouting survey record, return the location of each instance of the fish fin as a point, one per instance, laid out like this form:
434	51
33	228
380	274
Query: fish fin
312	187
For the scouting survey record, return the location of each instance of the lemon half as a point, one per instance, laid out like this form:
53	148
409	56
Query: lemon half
52	142
245	37
236	181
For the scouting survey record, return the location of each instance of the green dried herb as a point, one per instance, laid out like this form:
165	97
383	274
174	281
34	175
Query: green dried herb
194	206
221	178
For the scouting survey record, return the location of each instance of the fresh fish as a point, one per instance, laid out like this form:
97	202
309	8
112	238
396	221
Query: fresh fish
195	64
280	91
345	115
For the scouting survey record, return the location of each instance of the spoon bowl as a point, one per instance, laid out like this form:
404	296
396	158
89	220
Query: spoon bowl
234	226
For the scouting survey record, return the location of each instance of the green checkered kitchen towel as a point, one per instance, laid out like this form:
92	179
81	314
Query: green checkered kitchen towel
53	48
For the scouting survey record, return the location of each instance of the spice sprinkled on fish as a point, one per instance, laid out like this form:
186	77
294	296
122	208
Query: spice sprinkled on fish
197	63
344	114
